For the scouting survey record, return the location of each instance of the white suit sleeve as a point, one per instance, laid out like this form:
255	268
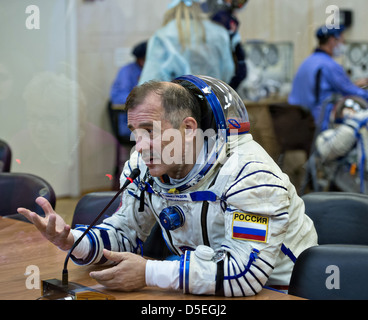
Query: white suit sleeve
334	143
163	274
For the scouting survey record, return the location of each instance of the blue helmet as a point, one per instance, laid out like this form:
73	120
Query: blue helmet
221	106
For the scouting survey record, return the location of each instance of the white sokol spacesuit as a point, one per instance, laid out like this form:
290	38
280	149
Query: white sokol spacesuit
342	145
236	221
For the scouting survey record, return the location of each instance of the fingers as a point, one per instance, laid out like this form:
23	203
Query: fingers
113	278
32	216
114	256
103	276
45	205
127	275
65	232
108	274
51	226
25	212
52	223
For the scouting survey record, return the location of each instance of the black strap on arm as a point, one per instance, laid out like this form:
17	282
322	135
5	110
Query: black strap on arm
220	279
318	85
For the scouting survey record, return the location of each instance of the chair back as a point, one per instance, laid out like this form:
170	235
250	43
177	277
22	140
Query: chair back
339	217
21	190
331	272
294	127
91	205
118	120
5	156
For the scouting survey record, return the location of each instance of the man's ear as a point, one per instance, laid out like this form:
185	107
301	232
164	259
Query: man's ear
190	126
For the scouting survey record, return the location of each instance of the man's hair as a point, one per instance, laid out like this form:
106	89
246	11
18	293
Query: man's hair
323	34
178	103
323	40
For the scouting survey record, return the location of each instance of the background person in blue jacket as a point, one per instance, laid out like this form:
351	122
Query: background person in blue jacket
320	77
128	76
126	79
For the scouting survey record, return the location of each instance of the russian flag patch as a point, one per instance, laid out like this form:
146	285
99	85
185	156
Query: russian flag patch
252	227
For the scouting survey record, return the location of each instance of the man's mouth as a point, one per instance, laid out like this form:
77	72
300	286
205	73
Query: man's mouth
150	160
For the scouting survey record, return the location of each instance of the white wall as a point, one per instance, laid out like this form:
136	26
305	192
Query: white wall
38	96
85	43
68	62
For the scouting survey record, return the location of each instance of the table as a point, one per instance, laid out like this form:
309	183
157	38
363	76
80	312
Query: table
24	251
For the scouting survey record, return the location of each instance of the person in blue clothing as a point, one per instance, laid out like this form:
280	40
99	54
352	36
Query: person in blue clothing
128	76
320	77
126	79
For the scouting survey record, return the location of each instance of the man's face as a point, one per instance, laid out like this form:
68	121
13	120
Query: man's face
161	146
338	44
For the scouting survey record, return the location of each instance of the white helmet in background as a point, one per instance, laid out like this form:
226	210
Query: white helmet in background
349	106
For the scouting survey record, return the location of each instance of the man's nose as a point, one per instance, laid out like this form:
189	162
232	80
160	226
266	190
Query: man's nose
142	143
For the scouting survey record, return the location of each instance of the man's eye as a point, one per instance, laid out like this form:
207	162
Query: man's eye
140	134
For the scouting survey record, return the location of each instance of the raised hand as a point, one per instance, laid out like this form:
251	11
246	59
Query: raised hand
52	226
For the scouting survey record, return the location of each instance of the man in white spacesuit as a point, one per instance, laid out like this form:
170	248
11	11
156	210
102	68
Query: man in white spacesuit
225	208
342	146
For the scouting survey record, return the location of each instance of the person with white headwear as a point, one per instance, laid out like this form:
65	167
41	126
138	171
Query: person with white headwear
188	43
